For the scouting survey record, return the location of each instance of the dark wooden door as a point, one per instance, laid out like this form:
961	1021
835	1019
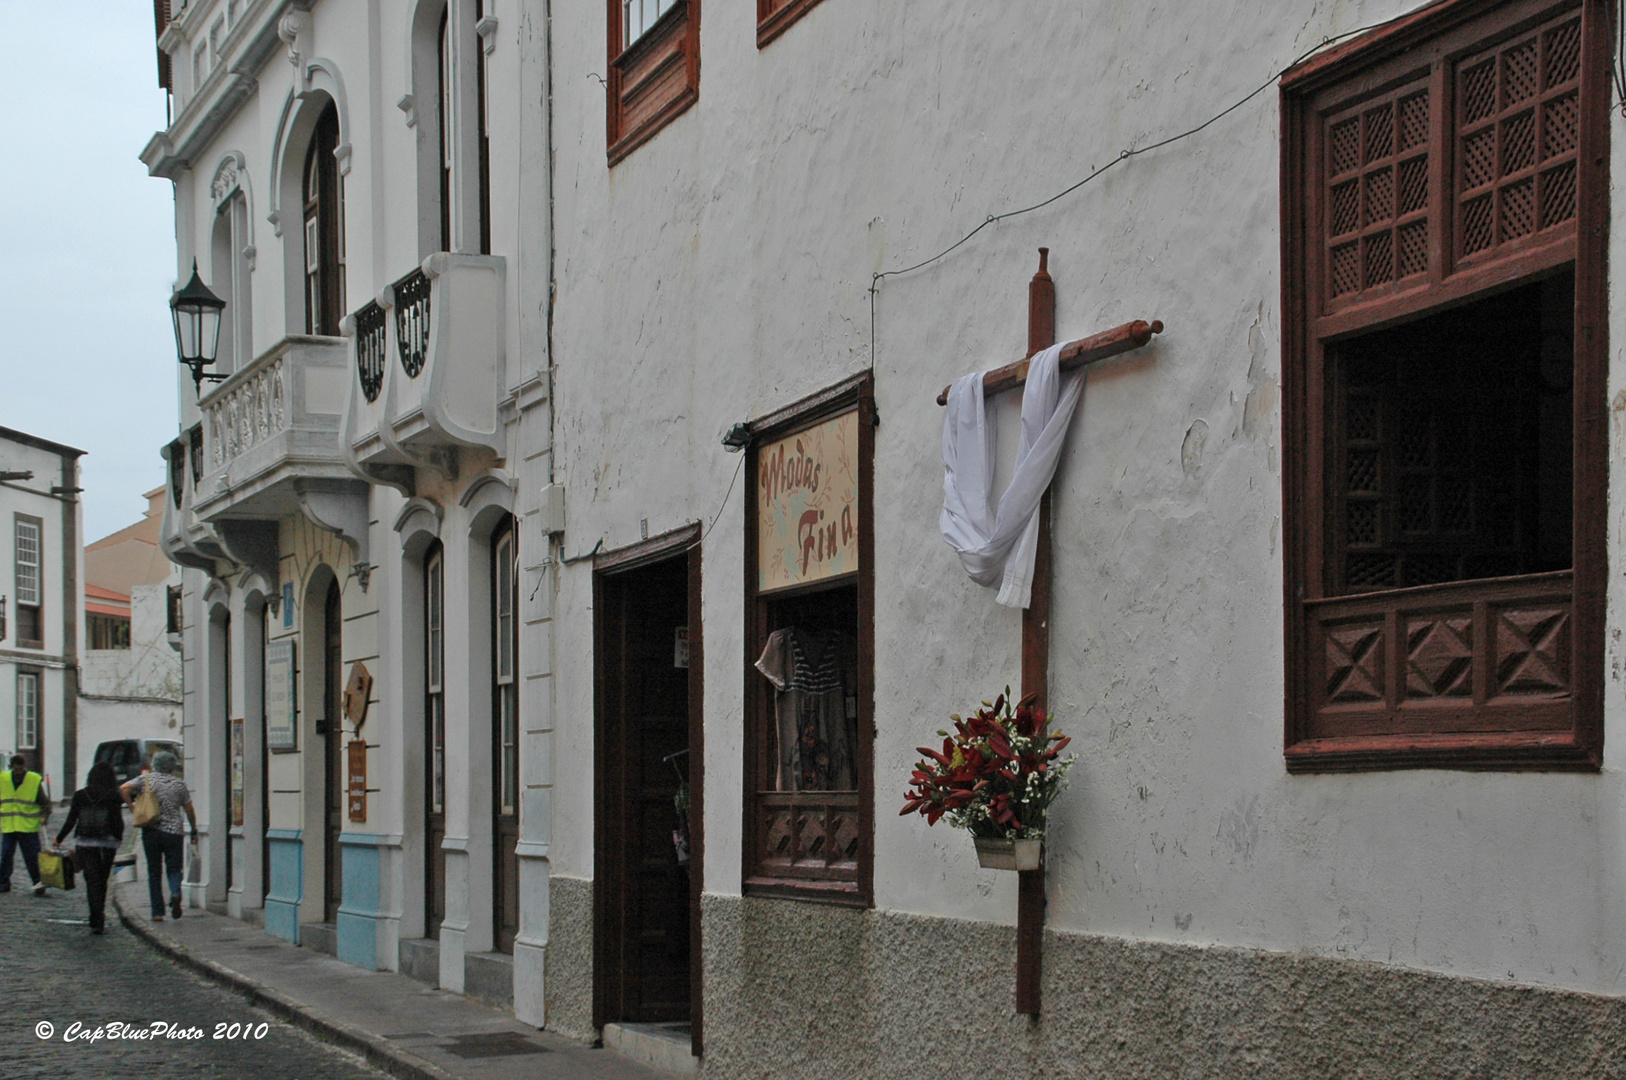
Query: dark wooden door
434	856
505	737
643	901
226	820
333	746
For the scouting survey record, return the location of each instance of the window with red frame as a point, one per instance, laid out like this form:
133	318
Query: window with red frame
654	68
775	16
1444	215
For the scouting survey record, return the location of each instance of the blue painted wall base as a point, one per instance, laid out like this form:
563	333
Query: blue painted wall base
287	886
359	913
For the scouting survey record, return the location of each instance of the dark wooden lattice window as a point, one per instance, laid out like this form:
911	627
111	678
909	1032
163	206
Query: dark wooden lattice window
1445	452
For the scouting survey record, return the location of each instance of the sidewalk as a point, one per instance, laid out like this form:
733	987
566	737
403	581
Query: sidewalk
404	1027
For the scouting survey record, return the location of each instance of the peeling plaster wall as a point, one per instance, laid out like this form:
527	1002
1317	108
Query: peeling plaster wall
721	272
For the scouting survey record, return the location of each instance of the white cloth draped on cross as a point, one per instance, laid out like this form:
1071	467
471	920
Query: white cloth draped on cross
998	546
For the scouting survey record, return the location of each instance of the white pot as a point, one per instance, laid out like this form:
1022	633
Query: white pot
997	854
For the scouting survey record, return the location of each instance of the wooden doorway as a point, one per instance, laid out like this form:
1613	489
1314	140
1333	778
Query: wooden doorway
434	855
505	735
332	747
647	784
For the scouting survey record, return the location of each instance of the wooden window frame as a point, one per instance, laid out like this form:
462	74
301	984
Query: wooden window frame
505	713
645	67
1496	728
323	215
774	17
857	393
29	609
31	677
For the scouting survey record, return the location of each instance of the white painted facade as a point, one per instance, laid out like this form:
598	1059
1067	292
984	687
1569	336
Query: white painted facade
292	488
38	677
719	273
722	271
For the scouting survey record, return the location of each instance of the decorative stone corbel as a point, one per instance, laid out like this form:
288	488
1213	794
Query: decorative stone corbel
251	544
409	105
487	29
289	27
341	509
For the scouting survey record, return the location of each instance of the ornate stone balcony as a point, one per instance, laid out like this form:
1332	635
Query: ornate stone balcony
268	447
430	363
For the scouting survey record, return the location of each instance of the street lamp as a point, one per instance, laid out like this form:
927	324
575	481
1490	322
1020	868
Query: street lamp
197	327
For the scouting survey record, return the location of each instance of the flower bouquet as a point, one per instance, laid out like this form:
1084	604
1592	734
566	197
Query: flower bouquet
995	777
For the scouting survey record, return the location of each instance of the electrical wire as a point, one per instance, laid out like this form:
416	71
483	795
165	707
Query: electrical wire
1123	156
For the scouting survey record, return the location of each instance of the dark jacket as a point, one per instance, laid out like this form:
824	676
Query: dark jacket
98	815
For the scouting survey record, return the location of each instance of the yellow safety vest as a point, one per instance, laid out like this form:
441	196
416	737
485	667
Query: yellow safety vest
19	806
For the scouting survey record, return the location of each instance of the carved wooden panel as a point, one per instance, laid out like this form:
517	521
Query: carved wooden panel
1471	656
1355	663
1517	136
1377	169
809	836
1532	649
1439	656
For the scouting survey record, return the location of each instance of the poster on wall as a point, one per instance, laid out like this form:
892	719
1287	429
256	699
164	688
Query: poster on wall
280	710
237	771
807	505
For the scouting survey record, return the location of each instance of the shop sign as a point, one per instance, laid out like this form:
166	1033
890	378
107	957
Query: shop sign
357	691
807	505
237	771
356	774
281	712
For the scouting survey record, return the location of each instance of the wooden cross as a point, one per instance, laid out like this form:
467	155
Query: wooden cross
1030	901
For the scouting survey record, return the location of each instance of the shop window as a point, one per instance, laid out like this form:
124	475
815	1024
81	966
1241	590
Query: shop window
775	16
1444	449
27	583
809	642
654	68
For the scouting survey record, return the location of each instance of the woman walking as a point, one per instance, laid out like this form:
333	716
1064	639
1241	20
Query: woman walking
96	818
162	839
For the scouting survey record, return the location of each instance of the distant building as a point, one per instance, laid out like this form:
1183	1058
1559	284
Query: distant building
130	673
39	603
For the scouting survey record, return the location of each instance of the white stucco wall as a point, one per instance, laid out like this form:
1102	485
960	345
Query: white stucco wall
721	272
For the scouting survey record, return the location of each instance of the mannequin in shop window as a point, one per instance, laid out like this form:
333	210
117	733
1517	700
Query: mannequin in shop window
813	667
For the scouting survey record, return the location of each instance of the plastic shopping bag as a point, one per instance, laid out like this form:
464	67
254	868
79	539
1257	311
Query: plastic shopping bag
55	870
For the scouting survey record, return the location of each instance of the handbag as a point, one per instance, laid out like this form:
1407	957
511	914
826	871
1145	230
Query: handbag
147	809
56	872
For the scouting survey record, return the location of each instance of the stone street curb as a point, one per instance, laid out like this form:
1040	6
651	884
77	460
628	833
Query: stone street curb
377	1052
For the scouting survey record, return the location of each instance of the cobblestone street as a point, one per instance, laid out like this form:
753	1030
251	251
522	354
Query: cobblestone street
56	972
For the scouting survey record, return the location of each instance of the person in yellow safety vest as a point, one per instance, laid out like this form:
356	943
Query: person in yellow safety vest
24	810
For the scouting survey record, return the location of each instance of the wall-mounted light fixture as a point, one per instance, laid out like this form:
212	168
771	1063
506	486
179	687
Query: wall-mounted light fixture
197	327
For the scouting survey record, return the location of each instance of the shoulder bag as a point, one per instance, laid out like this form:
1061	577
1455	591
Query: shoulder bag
147	808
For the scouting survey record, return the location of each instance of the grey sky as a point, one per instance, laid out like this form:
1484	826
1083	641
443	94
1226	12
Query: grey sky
87	247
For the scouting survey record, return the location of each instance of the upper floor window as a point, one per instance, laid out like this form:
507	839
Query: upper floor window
323	193
28	583
454	123
654	68
230	274
1445	365
108	632
28	710
774	16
